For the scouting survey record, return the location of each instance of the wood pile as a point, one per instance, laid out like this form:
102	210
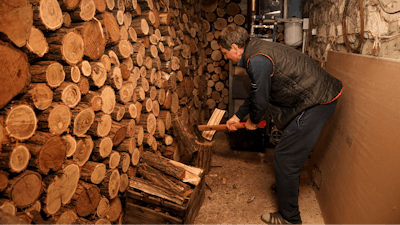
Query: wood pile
218	15
89	92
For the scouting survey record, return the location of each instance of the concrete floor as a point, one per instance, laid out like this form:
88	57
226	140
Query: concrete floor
239	187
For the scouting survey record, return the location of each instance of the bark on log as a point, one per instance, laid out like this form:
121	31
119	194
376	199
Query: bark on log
69	93
109	187
93	39
14	158
102	148
16	20
93	172
25	188
56	119
115	209
61	189
14	70
40	95
70	144
86	198
150	188
84	149
83	118
21	122
103	207
101	125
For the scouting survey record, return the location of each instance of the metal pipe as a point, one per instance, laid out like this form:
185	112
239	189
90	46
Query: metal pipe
285	9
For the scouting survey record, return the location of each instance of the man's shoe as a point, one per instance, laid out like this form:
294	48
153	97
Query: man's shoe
273	218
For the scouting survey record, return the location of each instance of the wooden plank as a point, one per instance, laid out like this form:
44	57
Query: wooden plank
148	216
135	197
214	120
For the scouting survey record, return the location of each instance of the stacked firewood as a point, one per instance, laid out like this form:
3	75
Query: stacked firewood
89	90
218	15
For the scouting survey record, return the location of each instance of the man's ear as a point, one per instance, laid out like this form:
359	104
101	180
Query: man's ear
234	47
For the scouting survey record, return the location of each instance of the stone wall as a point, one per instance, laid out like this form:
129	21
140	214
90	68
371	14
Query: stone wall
381	27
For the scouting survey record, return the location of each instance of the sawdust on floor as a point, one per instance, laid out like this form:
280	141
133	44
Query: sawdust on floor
239	188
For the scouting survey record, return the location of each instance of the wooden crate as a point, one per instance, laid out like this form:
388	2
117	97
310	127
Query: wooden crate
141	208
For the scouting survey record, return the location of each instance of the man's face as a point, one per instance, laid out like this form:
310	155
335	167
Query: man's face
233	54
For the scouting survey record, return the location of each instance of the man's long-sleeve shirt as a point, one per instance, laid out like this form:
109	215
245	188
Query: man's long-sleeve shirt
259	70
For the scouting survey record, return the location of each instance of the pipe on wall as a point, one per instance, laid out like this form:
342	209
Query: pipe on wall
285	9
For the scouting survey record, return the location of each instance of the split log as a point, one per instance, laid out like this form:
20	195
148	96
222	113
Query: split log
109	187
149	188
14	72
102	148
158	178
163	164
84	149
135	157
61	189
93	172
188	140
64	216
101	125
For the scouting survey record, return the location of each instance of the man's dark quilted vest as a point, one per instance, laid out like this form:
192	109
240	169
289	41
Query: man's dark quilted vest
297	82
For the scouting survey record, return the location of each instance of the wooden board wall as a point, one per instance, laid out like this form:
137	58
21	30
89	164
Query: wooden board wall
357	155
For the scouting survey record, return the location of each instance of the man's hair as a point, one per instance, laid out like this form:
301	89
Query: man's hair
233	35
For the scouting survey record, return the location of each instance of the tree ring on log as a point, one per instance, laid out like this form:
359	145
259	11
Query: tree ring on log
42	96
70	144
83	121
108	96
71	95
52	155
19	158
72	48
51	14
21	122
55	75
59	119
27	189
61	190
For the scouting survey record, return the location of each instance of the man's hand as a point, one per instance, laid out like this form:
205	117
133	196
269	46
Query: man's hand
250	125
232	120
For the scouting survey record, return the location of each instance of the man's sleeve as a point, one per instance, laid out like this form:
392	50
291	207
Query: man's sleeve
259	70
